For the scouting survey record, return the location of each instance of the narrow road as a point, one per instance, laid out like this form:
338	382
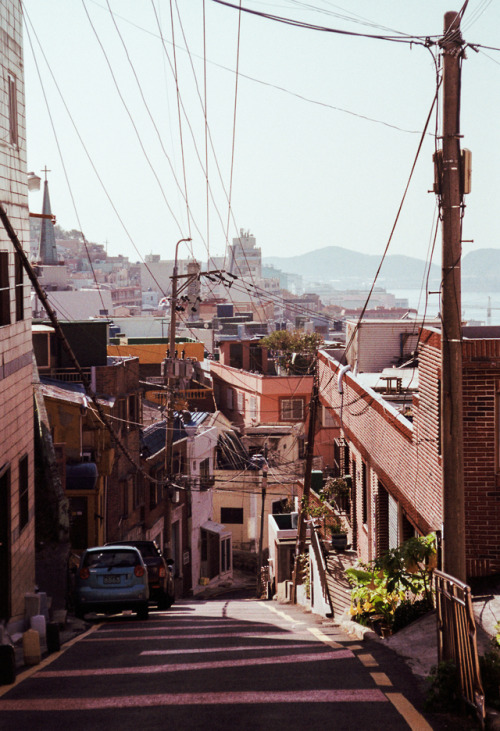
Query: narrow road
219	664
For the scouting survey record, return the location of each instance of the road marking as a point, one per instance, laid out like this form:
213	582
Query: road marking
413	718
280	614
381	679
46	661
312	657
356	695
284	634
368	660
166	627
324	638
225	648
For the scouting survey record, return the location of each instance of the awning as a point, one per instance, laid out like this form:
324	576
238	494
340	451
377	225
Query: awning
217	528
81	476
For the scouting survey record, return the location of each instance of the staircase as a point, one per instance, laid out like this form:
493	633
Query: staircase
338	586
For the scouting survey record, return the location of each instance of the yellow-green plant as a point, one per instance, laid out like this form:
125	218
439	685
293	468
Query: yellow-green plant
380	586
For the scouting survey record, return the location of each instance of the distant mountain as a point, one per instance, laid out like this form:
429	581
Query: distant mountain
481	270
346	269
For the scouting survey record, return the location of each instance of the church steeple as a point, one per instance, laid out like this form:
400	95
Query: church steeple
47	251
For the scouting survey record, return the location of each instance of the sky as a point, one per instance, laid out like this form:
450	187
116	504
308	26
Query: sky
310	135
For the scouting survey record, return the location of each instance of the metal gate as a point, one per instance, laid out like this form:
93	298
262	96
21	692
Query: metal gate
457	637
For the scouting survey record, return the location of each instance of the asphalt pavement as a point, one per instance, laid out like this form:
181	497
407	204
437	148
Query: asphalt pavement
220	663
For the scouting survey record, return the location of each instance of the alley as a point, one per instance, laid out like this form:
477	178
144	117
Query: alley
220	664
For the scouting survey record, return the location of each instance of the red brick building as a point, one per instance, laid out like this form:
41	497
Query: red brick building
390	444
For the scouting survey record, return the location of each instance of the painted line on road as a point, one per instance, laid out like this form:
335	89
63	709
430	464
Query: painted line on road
324	638
413	718
357	695
381	679
281	614
368	660
219	625
46	661
240	648
176	636
312	657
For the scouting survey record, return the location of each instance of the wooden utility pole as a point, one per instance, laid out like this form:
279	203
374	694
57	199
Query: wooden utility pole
171	380
451	306
301	523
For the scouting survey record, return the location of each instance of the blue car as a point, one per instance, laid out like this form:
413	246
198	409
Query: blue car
111	579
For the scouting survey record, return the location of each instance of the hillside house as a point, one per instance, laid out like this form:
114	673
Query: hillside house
390	437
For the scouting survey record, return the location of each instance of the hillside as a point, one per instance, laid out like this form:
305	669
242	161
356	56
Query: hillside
346	269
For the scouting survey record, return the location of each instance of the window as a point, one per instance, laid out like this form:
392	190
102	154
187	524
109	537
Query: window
236	355
240	401
23	493
253	407
4	289
206	479
13	127
19	287
365	494
133	412
292	409
229	398
231	515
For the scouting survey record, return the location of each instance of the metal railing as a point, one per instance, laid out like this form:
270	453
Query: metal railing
456	629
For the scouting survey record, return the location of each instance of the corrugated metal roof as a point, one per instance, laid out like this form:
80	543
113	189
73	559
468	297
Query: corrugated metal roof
70	391
153	437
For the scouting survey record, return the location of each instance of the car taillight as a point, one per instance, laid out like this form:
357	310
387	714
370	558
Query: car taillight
162	572
139	571
84	573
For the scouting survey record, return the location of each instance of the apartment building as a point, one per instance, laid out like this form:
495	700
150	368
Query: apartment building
17	499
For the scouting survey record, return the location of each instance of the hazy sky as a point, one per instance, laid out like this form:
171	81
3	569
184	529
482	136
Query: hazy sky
327	126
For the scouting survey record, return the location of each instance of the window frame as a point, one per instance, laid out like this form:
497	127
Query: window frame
5	315
292	402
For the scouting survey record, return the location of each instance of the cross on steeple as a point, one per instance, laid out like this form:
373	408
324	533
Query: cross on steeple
45	171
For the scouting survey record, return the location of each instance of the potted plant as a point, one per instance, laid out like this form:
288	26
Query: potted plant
339	535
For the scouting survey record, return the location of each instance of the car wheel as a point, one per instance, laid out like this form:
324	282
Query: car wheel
143	612
165	601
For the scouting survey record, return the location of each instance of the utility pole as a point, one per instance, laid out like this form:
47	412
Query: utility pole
451	306
171	380
262	515
301	523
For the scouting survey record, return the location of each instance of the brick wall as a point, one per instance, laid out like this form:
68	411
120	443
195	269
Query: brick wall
405	458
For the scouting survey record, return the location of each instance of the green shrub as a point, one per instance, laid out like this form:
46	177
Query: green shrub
407	612
489	665
443	695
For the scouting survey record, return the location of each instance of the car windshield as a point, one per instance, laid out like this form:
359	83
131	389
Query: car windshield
110	559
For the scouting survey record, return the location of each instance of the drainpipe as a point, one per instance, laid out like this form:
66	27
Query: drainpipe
341	373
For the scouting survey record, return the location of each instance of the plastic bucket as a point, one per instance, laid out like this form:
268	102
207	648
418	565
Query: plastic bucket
31	647
38	623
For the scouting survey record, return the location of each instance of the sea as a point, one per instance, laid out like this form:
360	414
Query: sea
477	307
